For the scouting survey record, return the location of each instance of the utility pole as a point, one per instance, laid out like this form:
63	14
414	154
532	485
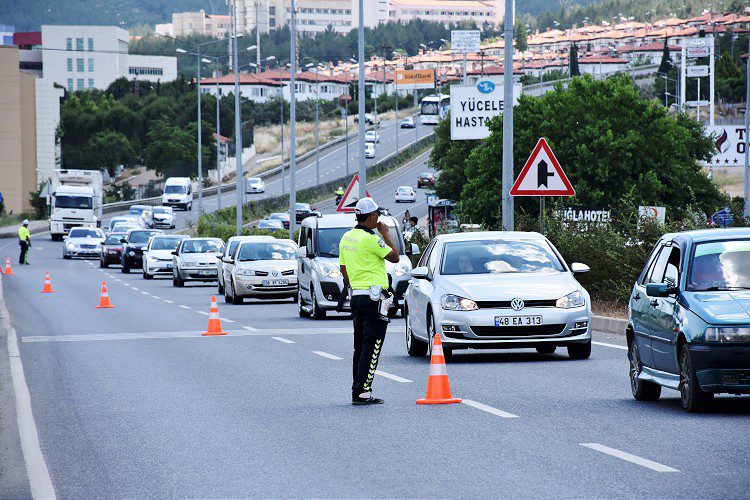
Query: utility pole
747	131
257	37
507	204
361	97
283	187
292	127
218	138
395	91
237	122
200	140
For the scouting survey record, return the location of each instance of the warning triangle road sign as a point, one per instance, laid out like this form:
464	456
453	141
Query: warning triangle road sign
542	175
351	196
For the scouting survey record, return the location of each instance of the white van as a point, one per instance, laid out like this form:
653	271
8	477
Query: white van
178	192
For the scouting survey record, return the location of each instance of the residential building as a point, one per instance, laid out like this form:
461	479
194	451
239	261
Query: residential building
263	86
30	44
92	57
447	11
6	34
198	23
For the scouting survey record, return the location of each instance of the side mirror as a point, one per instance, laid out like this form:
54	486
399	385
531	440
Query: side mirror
302	252
579	268
414	249
420	273
123	240
660	290
174	252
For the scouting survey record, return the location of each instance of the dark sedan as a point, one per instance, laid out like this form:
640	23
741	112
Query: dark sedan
111	250
281	217
303	210
426	180
134	244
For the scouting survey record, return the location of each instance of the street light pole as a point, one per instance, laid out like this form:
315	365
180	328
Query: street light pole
361	98
200	140
218	139
317	142
237	122
292	128
747	131
395	90
507	201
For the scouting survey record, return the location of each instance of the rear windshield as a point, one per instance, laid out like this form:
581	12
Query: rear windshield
165	243
140	236
114	238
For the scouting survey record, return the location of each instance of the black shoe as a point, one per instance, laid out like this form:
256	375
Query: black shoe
358	401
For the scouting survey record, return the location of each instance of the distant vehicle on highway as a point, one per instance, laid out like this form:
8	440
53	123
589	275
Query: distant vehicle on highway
320	281
145	212
124	227
133	245
372	136
195	260
369	119
369	150
262	269
178	192
224	261
408	122
281	216
496	290
272	224
76	201
157	257
405	194
433	108
255	185
83	242
688	322
133	220
164	217
303	210
426	180
111	249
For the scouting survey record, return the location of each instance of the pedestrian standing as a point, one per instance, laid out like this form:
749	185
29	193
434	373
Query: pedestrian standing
362	259
406	221
24	239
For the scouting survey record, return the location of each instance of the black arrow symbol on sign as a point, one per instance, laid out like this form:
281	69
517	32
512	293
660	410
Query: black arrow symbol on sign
542	174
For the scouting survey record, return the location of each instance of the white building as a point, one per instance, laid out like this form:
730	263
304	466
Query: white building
447	11
264	86
89	57
47	120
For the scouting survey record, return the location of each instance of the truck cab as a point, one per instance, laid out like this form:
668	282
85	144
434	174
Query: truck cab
76	201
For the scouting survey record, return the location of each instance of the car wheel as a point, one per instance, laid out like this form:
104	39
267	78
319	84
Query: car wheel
236	299
221	288
176	280
227	296
546	349
414	346
125	269
66	256
301	306
579	351
447	351
643	390
692	397
147	276
317	312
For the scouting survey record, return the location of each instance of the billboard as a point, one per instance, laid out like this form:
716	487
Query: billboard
472	106
729	141
415	78
465	41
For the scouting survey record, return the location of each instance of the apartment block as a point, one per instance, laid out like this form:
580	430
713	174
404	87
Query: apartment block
191	23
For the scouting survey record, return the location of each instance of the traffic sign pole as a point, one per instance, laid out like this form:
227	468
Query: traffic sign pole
507	204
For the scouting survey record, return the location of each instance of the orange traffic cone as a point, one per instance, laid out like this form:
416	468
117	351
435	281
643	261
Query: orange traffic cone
214	323
47	285
8	269
104	300
438	387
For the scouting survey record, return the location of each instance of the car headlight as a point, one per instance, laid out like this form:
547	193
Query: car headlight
131	253
330	271
573	299
727	334
401	269
246	272
452	302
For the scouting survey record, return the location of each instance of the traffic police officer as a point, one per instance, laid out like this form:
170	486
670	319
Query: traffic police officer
24	239
362	258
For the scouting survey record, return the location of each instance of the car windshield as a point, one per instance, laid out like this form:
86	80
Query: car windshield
279	216
404	190
429	108
162	211
302	206
328	240
123	226
268	224
84	233
174	189
425	176
499	256
114	238
137	210
720	265
64	201
202	246
271	250
165	243
139	237
254	180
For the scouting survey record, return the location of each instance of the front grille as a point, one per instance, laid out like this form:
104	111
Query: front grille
287	273
517	331
330	289
88	247
73	218
505	304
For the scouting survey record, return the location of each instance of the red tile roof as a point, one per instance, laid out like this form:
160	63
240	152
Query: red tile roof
649	47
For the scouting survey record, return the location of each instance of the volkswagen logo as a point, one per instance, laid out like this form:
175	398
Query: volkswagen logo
276	273
486	87
516	304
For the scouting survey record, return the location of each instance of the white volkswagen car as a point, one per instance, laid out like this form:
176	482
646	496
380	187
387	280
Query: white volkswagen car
83	242
262	269
405	194
497	290
372	136
157	257
195	260
164	217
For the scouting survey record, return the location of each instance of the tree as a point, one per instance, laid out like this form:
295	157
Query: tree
108	149
574	69
449	157
171	150
666	59
611	143
520	38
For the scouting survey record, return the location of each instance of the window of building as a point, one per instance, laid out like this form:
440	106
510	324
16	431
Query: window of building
79	84
68	44
79	65
70	64
79	44
272	22
70	84
91	44
91	64
91	83
272	10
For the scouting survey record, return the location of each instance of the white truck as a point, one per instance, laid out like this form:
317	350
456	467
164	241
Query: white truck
76	201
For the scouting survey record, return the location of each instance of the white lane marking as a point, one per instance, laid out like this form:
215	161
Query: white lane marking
392	376
118	280
489	409
615	346
628	457
250	328
168	301
326	355
145	293
184	307
40	248
40	482
285	341
203	313
155	297
134	288
227	320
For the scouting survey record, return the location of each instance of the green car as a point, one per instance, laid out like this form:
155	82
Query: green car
689	321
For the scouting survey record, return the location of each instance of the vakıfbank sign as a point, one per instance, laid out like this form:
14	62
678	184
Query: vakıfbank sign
472	106
415	78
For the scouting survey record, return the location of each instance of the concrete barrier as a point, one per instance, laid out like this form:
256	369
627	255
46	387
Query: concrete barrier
608	324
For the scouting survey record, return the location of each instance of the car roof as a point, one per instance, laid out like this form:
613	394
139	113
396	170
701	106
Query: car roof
170	235
256	237
205	238
489	235
162	206
700	235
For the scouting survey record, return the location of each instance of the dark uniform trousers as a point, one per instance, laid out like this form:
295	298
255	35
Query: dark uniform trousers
369	333
24	250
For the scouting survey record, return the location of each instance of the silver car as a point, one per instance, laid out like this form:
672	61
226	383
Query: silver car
83	242
195	260
157	257
497	290
262	269
164	217
225	261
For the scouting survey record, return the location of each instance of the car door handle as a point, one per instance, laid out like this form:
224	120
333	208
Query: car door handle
637	296
654	303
